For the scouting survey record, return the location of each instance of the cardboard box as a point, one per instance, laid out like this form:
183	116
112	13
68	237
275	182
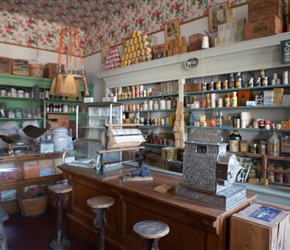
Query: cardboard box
261	27
191	87
153	160
175	165
259	227
194	42
160	47
244	96
263	8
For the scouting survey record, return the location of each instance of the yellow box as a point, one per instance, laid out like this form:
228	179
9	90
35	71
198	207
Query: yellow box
171	120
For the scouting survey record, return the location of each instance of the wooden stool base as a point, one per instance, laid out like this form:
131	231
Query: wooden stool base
100	205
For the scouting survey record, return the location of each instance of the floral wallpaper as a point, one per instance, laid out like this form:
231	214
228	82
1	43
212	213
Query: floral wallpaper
146	15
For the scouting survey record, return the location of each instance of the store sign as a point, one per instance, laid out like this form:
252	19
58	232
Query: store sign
191	63
285	51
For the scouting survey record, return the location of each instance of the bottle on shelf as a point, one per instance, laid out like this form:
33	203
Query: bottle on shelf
234	141
273	144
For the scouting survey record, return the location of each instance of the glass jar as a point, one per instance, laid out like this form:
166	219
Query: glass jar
18	113
273	145
234	141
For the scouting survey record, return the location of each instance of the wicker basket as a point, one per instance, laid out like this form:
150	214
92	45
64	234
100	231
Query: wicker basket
32	203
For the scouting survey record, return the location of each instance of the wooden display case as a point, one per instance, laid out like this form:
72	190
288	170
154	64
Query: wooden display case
28	172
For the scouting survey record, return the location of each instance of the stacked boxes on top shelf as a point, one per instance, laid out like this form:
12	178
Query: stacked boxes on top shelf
265	18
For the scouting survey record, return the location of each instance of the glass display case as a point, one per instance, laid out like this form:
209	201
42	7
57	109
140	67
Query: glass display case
91	118
90	121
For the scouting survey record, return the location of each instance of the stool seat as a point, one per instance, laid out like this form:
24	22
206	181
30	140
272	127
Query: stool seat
60	188
150	229
100	202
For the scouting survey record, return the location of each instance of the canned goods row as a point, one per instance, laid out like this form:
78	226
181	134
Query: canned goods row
278	177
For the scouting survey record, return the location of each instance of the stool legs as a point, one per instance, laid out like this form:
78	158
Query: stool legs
61	242
99	223
100	206
149	244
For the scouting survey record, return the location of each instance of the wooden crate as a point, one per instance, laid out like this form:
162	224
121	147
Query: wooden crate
259	227
50	70
20	67
263	8
261	27
5	65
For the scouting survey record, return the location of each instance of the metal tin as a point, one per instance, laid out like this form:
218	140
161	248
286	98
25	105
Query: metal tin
262	149
257	82
218	85
210	85
251	82
262	73
225	84
238	83
279	178
270	176
253	148
264	81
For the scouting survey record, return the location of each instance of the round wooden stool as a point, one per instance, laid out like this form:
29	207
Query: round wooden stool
150	231
100	205
61	242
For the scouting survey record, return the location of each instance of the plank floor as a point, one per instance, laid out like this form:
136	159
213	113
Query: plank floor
35	233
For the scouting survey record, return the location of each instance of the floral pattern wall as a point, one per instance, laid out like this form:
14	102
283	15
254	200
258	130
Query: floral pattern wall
147	15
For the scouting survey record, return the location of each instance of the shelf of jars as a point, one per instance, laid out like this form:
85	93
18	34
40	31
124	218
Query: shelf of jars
147	97
252	88
238	107
240	129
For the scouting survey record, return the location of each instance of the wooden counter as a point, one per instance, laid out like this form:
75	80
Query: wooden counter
192	226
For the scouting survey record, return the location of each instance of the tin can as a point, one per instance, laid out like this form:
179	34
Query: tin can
262	149
287	178
239	75
262	73
253	148
220	102
210	85
257	82
225	84
218	85
238	83
251	82
279	178
234	99
227	100
231	84
264	81
270	176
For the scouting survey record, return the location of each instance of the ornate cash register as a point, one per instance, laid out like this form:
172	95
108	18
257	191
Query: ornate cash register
211	176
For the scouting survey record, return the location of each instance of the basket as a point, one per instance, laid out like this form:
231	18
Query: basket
32	203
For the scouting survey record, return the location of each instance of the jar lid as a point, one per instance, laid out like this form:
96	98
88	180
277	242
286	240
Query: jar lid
60	130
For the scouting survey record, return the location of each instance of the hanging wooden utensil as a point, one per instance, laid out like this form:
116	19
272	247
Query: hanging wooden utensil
58	79
68	87
86	90
77	83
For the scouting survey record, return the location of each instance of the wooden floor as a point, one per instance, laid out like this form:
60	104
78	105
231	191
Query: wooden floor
35	233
